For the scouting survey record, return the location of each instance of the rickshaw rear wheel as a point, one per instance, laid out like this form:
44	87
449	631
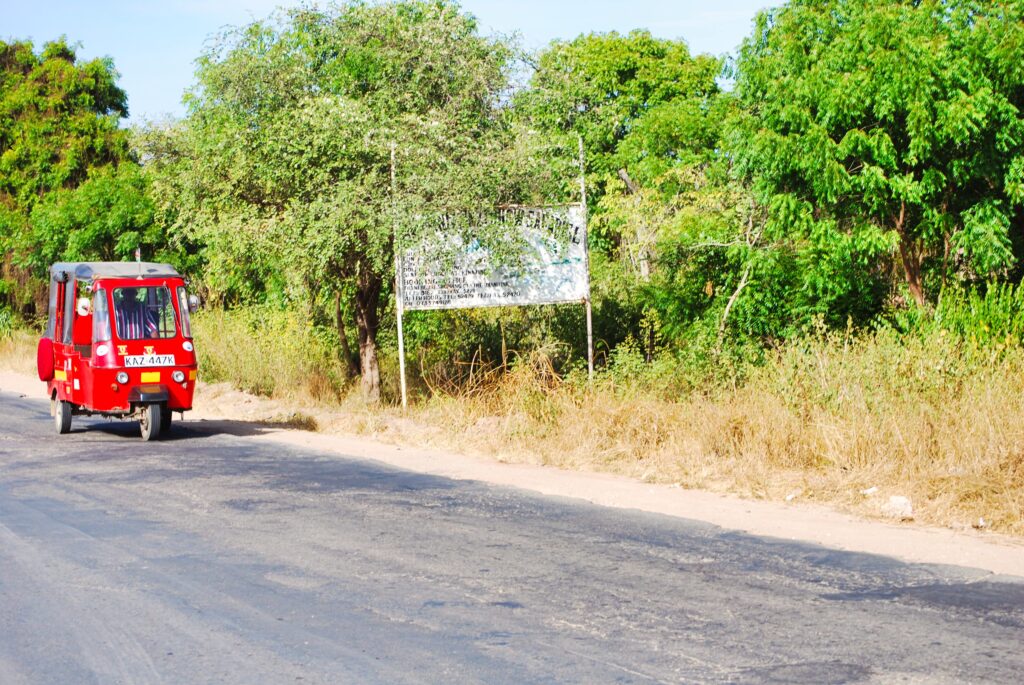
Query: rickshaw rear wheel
150	421
62	416
165	421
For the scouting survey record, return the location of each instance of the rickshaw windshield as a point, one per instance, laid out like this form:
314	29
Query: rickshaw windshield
186	323
100	317
143	312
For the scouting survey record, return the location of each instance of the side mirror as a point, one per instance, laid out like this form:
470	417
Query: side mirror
193	304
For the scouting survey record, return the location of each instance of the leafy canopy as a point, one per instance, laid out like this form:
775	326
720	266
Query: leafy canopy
68	186
634	90
886	135
284	160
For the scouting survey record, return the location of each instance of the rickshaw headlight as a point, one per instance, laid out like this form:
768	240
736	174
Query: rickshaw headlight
178	376
101	350
122	377
187	346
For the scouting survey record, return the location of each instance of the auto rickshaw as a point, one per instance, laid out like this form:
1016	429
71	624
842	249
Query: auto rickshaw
118	343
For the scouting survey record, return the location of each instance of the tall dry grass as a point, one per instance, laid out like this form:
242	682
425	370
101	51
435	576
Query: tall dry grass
18	350
936	420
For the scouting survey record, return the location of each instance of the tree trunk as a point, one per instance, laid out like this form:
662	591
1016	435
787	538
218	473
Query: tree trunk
911	257
744	279
368	286
912	268
643	254
351	365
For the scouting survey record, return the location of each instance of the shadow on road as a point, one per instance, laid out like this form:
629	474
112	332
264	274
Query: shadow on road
180	430
187	430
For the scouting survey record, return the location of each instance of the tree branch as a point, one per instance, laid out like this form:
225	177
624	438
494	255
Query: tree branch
732	300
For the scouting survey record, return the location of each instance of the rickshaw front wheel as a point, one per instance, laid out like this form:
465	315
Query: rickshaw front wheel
62	416
150	421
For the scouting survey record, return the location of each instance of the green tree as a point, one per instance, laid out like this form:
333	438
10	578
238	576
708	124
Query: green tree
282	167
632	98
886	139
647	113
106	218
58	131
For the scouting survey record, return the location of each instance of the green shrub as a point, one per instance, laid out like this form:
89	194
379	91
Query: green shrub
6	323
268	351
983	316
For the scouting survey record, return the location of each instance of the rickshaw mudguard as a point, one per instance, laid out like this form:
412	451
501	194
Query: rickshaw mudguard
148	394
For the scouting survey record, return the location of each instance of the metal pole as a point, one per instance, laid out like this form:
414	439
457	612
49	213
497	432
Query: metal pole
590	343
586	262
399	300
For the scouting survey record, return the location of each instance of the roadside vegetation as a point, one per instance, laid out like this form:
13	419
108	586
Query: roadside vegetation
932	414
806	286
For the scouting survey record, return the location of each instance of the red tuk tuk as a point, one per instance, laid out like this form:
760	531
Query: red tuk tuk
118	343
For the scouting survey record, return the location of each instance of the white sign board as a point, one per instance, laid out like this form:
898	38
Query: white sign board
553	266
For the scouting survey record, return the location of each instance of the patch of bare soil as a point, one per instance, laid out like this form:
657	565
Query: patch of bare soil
398	441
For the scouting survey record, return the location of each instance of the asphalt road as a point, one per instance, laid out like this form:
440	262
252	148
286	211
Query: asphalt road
212	557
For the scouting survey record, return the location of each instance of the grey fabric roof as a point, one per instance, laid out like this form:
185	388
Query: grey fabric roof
87	271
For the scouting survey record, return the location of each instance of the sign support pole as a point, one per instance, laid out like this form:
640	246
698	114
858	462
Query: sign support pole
399	299
586	258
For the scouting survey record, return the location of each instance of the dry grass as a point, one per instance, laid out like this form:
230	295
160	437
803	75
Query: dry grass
18	351
824	421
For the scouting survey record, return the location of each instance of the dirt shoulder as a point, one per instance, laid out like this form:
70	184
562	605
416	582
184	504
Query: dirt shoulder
220	408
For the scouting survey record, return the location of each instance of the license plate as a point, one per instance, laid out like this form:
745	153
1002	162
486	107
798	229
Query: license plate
149	360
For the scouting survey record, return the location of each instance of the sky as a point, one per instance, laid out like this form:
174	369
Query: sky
154	44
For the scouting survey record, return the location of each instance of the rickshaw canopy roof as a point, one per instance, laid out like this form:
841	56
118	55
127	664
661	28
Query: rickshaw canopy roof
90	271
